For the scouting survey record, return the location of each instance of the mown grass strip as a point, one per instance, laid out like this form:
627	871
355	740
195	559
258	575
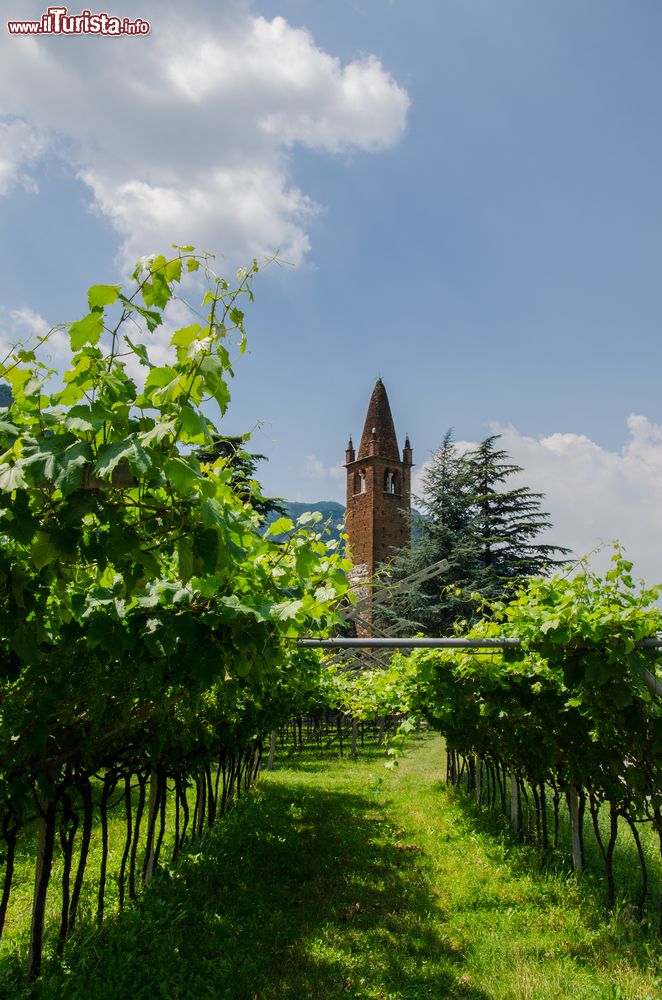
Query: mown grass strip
523	933
340	878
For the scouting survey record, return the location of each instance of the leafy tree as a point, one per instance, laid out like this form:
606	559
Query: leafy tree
485	531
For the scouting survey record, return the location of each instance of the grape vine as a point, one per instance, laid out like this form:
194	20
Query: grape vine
146	622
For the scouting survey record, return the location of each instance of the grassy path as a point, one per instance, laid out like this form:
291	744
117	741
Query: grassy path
346	880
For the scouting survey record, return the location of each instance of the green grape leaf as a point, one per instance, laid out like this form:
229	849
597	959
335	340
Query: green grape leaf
99	296
43	551
70	474
140	351
25	645
173	271
286	610
212	513
86	331
234	607
160	377
185	336
151	316
81	420
211	372
184	560
280	526
17	377
206	547
194	425
11	477
181	475
157	292
129	451
157	433
86	418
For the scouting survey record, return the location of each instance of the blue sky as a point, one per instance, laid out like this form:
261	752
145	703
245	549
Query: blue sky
470	192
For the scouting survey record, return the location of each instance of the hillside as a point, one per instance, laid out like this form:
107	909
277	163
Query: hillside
334	514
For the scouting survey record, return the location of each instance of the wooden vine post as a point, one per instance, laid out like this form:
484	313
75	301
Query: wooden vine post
575	825
272	750
479	778
515	811
44	861
152	812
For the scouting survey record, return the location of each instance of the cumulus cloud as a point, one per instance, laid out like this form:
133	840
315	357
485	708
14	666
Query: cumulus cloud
315	469
186	135
21	145
20	328
595	496
25	328
27	322
254	211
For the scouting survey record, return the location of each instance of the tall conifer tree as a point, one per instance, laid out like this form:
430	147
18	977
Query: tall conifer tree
506	522
485	531
243	466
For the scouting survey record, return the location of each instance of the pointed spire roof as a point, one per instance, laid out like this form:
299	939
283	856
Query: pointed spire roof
378	436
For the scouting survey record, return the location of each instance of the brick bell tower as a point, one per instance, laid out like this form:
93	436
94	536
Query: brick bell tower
378	489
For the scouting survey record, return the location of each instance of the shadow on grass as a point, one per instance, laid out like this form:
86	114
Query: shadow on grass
525	858
299	892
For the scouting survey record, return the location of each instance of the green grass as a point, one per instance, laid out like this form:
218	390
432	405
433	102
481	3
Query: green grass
15	934
341	879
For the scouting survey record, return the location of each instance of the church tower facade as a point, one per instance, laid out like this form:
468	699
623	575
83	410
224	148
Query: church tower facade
378	489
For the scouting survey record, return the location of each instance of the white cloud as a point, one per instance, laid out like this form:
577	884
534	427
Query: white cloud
185	135
594	495
315	469
20	148
20	327
255	212
27	322
23	327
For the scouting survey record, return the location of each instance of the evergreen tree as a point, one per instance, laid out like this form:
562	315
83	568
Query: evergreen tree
484	530
444	531
506	522
243	465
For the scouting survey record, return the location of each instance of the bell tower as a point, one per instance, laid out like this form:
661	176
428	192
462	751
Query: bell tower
378	489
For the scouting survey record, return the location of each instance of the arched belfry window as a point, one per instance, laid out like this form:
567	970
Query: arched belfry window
391	484
359	481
